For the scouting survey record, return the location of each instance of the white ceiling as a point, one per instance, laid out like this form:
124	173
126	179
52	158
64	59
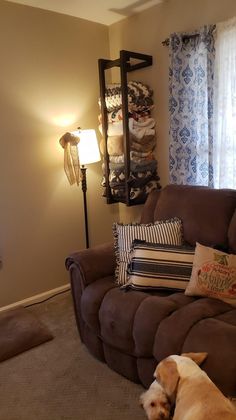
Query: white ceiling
101	11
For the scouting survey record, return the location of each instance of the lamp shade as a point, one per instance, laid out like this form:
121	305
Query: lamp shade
87	147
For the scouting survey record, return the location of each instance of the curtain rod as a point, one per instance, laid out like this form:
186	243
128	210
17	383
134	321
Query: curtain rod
166	41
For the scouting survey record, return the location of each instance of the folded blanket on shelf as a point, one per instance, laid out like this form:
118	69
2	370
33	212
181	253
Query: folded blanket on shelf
142	141
148	146
136	157
148	165
136	194
115	145
141	174
134	182
117	176
138	182
114	129
137	154
145	140
139	97
117	115
139	129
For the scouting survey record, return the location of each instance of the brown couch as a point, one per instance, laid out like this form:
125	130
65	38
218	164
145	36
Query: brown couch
132	331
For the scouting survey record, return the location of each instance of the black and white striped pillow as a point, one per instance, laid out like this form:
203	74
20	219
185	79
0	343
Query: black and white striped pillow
163	232
157	267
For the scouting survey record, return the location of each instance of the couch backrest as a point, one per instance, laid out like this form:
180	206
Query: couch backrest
208	214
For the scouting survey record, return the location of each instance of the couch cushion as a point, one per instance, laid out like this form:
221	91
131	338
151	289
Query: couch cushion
116	315
91	301
130	319
149	315
206	213
174	330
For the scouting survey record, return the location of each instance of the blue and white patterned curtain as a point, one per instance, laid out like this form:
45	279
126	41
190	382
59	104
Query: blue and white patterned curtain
190	105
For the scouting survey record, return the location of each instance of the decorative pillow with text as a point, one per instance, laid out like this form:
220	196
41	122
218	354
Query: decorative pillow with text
163	232
213	275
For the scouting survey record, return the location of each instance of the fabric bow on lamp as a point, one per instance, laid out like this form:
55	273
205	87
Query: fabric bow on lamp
80	148
69	143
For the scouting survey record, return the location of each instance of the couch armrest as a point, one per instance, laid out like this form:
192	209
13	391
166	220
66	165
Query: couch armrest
93	263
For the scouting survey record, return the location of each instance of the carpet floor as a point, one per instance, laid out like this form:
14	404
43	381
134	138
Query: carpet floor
60	380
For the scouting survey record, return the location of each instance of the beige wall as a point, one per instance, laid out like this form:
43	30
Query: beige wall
144	33
49	84
48	79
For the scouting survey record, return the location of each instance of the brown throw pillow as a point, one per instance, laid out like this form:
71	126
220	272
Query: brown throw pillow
20	331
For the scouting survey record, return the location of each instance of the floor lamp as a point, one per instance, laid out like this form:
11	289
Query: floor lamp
80	149
88	152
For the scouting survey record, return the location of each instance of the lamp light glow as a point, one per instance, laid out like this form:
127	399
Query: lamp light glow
88	149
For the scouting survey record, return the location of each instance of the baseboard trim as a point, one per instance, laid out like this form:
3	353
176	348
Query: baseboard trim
37	298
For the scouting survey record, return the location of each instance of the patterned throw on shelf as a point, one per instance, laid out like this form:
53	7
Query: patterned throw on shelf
142	136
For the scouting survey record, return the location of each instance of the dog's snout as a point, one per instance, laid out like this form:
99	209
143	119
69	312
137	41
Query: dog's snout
163	416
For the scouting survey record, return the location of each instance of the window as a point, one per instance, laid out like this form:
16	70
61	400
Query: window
224	106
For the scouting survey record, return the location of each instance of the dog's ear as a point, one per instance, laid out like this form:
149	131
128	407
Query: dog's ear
167	375
196	357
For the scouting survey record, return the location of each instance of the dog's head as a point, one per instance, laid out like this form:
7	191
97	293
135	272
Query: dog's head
155	403
170	370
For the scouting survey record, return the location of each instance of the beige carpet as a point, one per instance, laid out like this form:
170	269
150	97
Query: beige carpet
60	380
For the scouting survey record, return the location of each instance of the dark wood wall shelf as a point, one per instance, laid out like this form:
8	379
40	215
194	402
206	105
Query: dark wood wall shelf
127	62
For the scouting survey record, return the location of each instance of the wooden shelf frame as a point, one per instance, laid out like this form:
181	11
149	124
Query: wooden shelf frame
126	66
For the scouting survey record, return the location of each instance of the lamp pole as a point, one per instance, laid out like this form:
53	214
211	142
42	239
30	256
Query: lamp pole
84	189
